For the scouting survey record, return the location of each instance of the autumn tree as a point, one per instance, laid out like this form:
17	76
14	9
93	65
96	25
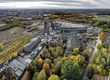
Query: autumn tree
102	36
99	46
53	68
80	59
26	76
46	66
87	52
47	61
45	51
1	46
39	62
64	58
35	76
53	77
75	51
14	54
42	75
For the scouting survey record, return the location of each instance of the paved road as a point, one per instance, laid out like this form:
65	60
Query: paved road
91	58
95	51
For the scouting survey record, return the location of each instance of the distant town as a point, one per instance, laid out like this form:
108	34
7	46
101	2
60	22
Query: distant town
54	44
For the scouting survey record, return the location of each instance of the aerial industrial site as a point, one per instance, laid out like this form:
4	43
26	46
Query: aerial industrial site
54	44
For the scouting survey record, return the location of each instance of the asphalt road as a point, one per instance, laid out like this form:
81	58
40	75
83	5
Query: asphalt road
91	58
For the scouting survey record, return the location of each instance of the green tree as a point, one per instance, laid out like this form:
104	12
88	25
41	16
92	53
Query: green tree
45	51
42	75
109	49
99	46
103	72
58	67
70	70
32	66
104	45
35	76
47	61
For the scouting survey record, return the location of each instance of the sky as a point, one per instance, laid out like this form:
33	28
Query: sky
56	4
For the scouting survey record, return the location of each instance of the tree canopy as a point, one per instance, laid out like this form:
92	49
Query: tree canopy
70	70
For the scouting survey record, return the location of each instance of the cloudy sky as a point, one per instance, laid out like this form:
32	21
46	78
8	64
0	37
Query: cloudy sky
55	4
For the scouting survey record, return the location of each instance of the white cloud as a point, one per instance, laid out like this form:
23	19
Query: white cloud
27	5
55	4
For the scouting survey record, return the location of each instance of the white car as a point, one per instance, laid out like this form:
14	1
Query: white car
28	61
39	48
42	40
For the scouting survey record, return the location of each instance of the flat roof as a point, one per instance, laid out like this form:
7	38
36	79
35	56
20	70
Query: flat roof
19	64
71	25
18	72
18	67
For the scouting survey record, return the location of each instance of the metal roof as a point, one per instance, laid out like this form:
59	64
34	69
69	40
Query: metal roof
18	67
71	25
31	45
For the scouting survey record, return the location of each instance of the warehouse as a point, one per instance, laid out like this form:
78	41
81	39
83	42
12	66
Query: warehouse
31	45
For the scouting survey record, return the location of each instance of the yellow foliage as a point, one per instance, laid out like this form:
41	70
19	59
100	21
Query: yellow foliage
40	61
47	61
72	57
64	58
79	58
51	49
102	36
54	77
14	54
94	66
76	49
53	68
99	68
1	46
59	59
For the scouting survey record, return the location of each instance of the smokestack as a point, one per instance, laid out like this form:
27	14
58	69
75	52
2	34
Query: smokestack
46	25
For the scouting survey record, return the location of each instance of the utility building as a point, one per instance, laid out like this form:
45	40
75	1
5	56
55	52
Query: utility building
73	41
72	33
31	45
